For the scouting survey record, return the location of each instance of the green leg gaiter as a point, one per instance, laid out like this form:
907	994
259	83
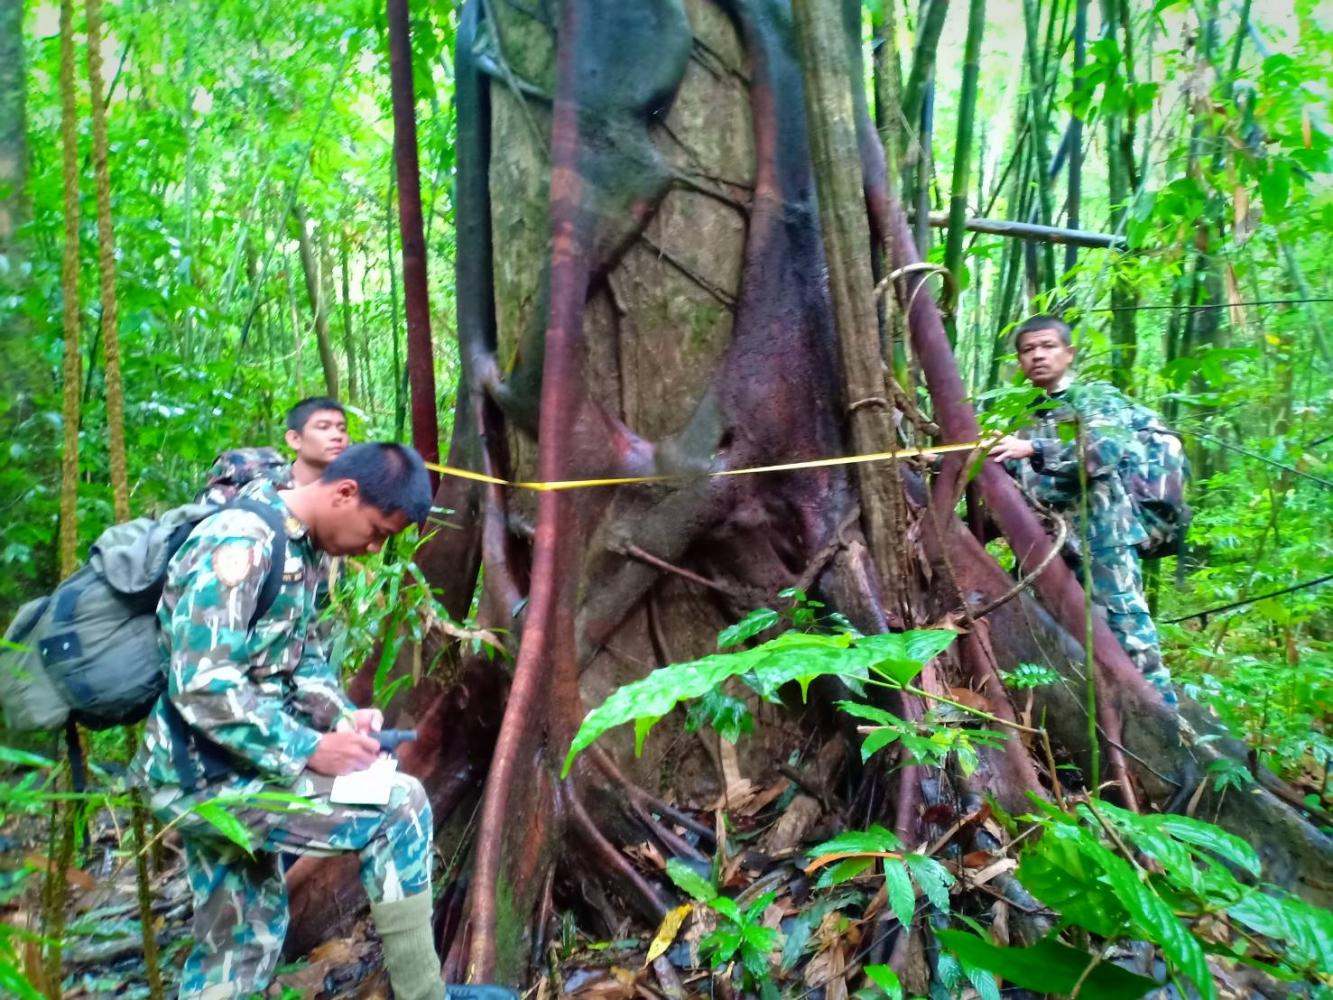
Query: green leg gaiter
409	950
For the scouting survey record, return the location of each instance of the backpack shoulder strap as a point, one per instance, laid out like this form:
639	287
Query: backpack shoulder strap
268	592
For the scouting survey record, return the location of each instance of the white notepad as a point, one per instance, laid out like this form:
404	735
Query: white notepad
370	787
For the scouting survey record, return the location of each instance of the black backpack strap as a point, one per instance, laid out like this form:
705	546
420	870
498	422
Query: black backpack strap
218	764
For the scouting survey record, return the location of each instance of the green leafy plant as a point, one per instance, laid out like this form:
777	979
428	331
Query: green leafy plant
1121	876
739	932
889	660
383	603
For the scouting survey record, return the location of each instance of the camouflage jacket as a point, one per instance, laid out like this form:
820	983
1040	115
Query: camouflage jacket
264	695
1051	476
233	469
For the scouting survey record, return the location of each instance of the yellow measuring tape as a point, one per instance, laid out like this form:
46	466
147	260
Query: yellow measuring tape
818	463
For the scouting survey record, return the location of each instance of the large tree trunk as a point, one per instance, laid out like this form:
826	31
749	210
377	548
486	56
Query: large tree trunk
642	288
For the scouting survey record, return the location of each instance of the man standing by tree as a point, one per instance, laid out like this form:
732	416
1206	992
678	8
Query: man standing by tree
316	432
1046	465
251	707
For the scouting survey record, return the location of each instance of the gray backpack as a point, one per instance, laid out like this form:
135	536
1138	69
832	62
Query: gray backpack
89	652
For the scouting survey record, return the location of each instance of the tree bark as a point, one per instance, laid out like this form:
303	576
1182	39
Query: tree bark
651	294
835	158
106	269
416	298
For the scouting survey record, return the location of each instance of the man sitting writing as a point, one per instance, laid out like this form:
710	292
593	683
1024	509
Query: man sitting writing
253	707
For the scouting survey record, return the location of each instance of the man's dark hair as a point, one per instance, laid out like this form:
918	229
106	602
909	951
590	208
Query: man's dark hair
299	415
391	477
1042	321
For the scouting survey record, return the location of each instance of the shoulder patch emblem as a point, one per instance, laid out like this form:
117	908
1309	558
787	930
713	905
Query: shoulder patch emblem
232	563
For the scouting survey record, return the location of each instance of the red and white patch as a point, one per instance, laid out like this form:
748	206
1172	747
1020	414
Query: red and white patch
232	563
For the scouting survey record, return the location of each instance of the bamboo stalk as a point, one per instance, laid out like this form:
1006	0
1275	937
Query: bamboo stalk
962	154
1076	130
1123	295
923	57
1039	120
1030	231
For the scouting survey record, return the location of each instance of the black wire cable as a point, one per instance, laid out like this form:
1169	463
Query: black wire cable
1251	600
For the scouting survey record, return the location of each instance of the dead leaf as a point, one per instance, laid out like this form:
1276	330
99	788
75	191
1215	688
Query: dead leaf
667	931
337	951
648	855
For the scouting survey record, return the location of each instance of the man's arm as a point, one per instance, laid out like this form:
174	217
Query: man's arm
208	680
320	698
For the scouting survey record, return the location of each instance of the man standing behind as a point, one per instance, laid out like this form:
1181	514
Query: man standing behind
316	432
251	706
1046	465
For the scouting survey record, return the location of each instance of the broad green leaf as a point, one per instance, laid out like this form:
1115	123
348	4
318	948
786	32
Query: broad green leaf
933	878
14	983
886	979
1047	967
225	823
727	907
1275	185
1306	932
1226	846
982	981
755	909
870	713
1153	919
689	881
1057	872
730	716
844	871
875	839
902	897
877	740
747	628
792	656
900	656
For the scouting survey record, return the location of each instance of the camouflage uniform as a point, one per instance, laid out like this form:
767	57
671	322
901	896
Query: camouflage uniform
234	469
231	471
1112	532
264	697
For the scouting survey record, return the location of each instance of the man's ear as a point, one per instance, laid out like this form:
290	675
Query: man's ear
346	492
293	439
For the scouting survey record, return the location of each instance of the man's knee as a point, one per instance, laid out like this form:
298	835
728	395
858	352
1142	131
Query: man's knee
409	802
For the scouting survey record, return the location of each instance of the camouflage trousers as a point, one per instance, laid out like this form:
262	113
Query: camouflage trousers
1117	588
240	900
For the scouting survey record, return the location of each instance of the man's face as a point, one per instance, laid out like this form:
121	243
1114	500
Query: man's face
1044	357
351	527
321	440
